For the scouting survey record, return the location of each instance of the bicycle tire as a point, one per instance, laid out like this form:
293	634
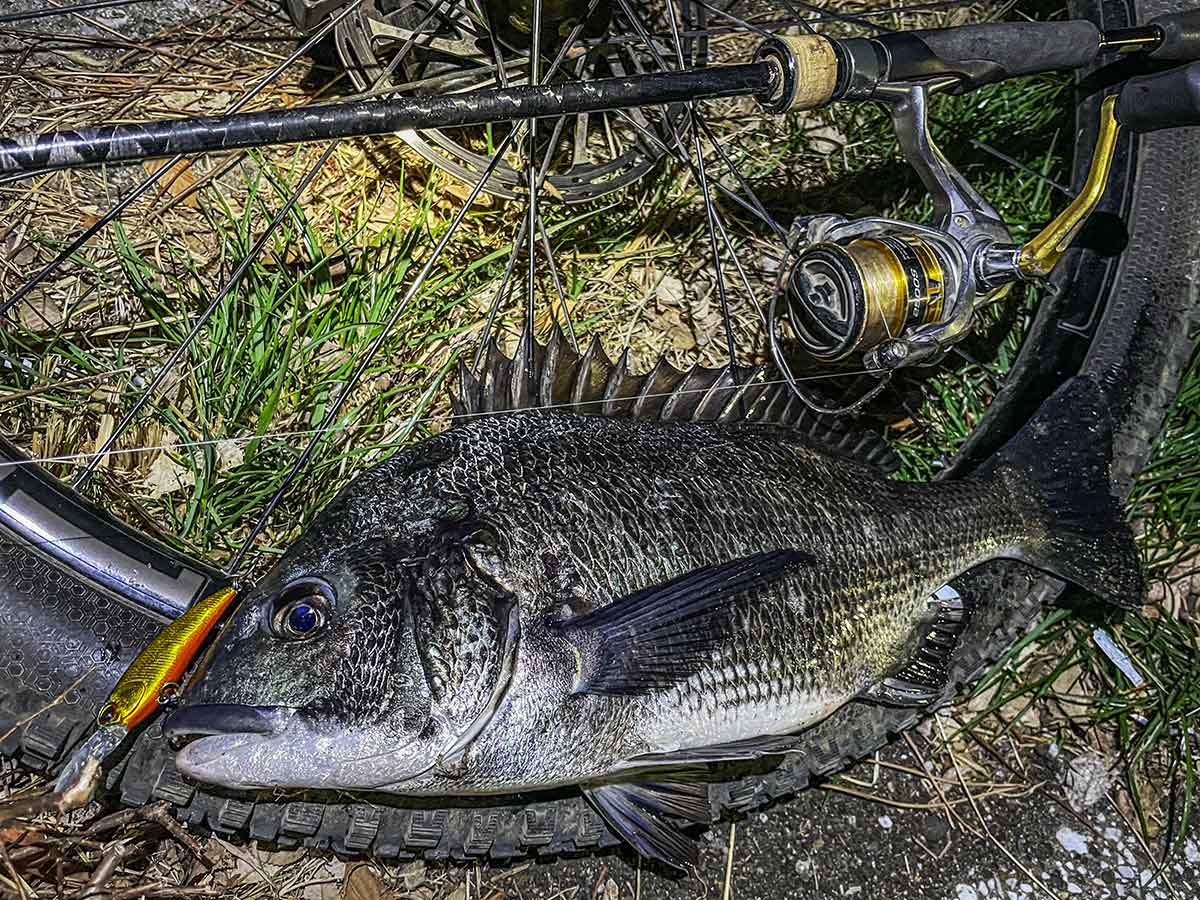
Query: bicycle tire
1135	332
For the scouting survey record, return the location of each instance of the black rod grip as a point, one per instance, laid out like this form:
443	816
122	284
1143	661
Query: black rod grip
1168	99
982	54
1180	37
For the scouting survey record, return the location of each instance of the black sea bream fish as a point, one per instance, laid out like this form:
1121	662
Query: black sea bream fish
539	599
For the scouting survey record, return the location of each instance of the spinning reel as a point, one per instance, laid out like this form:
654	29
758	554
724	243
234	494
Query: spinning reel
886	293
893	293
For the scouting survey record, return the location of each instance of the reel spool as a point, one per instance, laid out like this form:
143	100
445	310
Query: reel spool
844	299
863	290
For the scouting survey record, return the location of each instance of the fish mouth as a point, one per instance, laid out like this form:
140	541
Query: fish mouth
231	745
205	719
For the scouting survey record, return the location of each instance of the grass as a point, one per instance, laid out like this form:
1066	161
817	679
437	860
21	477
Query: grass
198	467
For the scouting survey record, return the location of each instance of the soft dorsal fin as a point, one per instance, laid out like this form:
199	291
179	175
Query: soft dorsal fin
590	383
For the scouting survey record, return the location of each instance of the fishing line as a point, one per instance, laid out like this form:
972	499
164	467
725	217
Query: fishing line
412	423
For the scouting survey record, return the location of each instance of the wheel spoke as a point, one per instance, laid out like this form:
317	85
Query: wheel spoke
434	12
741	23
544	235
501	295
502	292
532	200
710	211
154	178
73	9
699	169
360	369
558	285
741	180
1005	158
177	354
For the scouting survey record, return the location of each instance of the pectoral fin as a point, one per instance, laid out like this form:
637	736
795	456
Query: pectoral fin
662	634
641	814
923	678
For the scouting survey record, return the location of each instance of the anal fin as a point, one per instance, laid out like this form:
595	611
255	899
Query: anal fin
642	815
923	678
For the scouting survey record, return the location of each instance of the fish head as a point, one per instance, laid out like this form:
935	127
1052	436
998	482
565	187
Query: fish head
360	661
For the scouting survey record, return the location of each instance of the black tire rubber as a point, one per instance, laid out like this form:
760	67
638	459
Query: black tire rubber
65	642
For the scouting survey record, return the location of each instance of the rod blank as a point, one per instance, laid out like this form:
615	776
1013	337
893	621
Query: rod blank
127	142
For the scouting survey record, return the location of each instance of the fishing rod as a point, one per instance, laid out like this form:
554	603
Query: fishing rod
144	140
786	73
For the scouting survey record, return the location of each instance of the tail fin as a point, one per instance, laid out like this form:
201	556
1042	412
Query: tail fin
1060	461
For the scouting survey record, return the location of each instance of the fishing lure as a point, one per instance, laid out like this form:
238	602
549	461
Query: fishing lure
150	681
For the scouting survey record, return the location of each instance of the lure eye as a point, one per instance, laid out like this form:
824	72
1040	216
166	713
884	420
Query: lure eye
301	611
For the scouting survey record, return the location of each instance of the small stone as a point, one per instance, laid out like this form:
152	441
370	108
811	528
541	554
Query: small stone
1191	852
885	822
1087	780
1072	840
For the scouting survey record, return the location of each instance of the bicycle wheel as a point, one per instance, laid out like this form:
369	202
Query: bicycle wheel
85	591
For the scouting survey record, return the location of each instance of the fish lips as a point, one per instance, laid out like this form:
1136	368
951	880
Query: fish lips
226	718
229	740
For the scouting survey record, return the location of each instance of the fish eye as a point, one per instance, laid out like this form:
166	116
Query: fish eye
302	610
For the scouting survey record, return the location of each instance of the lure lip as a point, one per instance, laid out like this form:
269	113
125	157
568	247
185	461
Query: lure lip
226	718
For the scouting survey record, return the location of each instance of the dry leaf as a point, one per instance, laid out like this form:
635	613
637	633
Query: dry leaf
282	857
671	291
413	875
230	455
38	312
461	192
177	182
167	476
362	884
327	881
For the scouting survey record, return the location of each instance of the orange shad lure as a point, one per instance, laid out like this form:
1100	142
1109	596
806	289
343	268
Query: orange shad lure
145	684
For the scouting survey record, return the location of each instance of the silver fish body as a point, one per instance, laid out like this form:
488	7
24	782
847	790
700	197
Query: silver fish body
450	659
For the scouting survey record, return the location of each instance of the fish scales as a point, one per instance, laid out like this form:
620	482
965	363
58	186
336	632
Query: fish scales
668	499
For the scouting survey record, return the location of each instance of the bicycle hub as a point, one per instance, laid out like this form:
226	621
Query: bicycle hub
514	20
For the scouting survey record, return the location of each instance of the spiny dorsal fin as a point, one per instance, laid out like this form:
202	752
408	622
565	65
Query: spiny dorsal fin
590	383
